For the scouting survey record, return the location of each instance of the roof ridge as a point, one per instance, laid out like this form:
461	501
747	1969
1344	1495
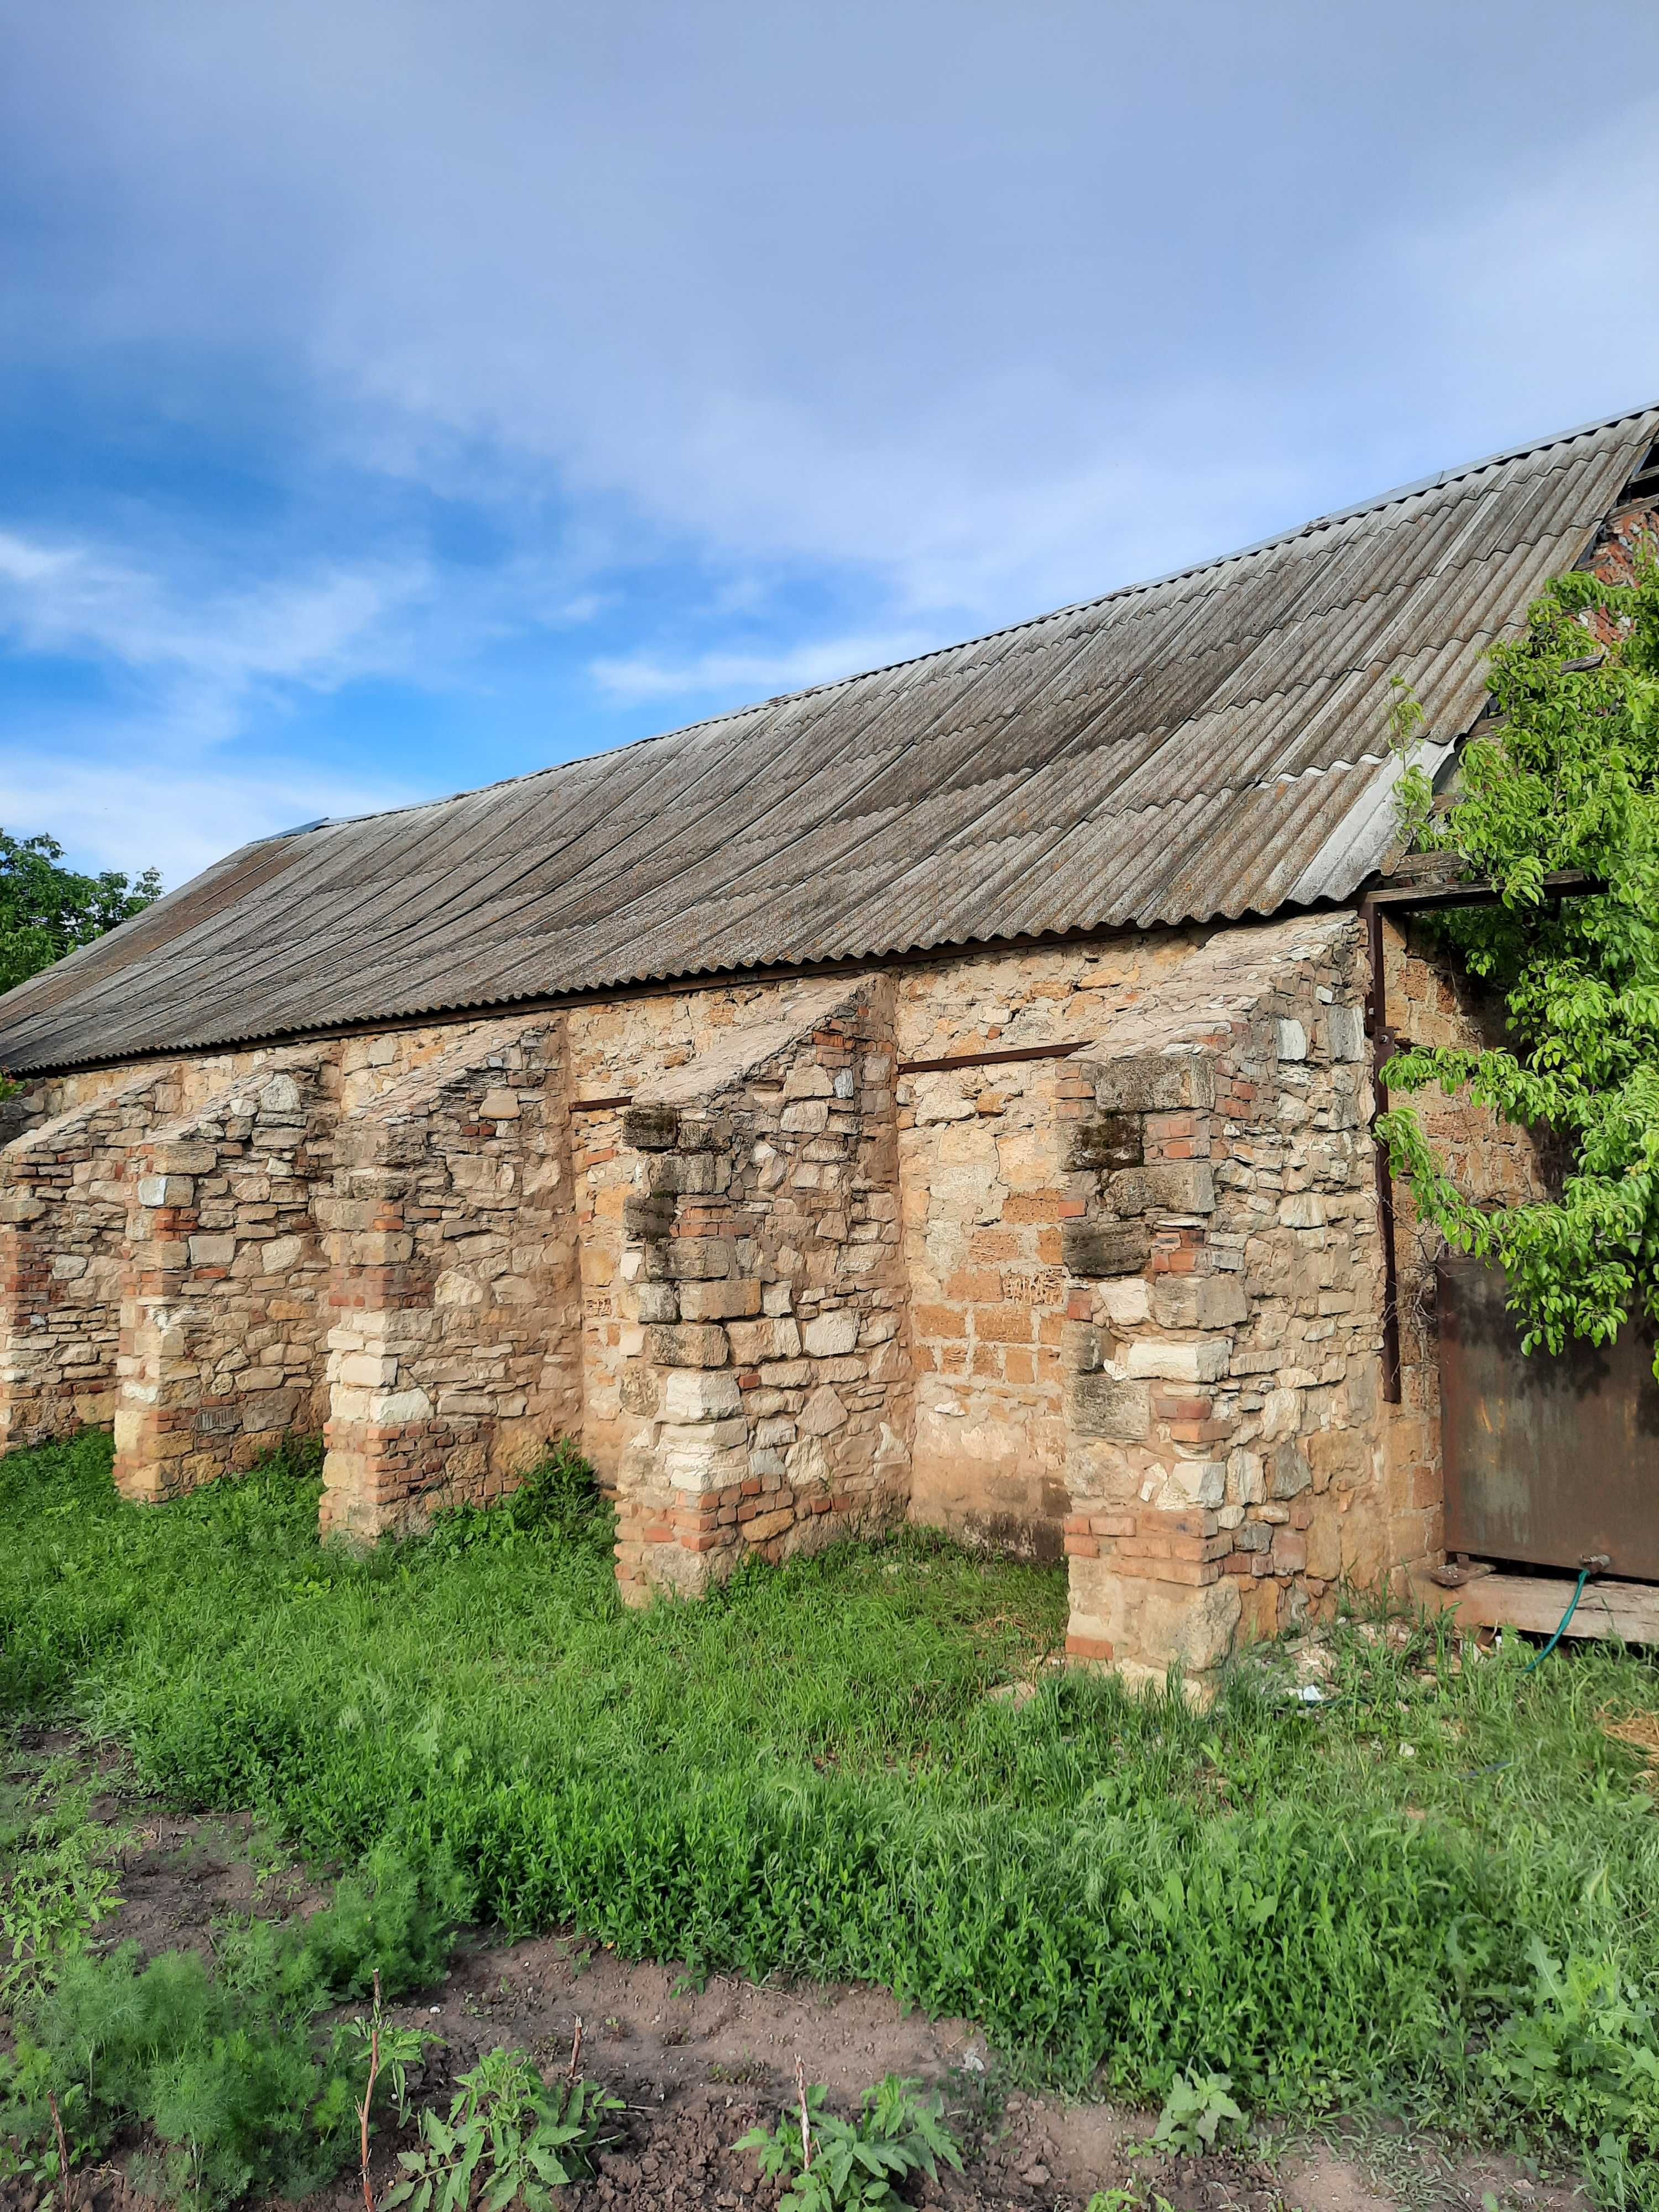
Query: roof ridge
1370	506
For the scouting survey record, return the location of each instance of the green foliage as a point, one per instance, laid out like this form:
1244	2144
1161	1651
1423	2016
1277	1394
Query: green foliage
45	910
232	2069
558	1500
806	1776
58	1883
1568	779
1197	2109
509	2138
852	2166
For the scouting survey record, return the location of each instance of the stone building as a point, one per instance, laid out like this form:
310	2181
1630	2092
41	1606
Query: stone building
943	1093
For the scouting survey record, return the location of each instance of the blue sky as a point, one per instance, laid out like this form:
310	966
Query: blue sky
399	394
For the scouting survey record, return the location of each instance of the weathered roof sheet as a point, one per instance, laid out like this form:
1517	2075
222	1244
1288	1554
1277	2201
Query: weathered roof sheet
1214	744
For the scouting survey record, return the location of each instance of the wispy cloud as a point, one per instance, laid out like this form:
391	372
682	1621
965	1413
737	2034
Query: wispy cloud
635	678
112	812
205	647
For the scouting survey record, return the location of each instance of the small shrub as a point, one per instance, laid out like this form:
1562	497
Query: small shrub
1197	2109
838	2165
509	2138
233	2072
59	1884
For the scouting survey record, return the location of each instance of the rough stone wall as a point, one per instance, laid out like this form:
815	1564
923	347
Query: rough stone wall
223	1279
63	1200
769	1377
1112	1276
454	1353
986	1195
1226	1306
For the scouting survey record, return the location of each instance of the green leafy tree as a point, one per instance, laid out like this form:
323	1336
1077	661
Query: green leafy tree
46	910
1567	777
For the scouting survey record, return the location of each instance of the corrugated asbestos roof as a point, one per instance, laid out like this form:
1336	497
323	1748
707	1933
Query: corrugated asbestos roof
1212	745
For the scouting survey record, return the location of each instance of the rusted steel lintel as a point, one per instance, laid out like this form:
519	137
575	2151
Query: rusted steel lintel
995	1059
1564	883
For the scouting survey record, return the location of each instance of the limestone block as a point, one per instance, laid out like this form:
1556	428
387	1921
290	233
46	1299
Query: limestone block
1104	1406
1281	1414
1204	1359
686	1344
1288	1472
1198	1301
657	1302
1107	1141
1155	1083
212	1251
755	1340
1169	1186
1291	1040
279	1095
167	1190
1192	1628
637	1388
648	1213
806	1117
688	1174
691	1258
499	1106
1096	1248
823	1414
1301	1210
364	1368
697	1394
391	1408
717	1301
1125	1302
1345	1030
454	1289
831	1335
806	1080
1200	1482
182	1159
650	1129
282	1253
1246	1478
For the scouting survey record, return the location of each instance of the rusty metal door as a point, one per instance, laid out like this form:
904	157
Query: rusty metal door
1548	1460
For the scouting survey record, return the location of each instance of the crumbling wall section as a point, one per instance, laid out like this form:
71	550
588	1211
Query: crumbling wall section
222	1317
769	1378
1224	1338
63	1201
453	1356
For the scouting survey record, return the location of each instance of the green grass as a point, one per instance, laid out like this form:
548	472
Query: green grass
804	1775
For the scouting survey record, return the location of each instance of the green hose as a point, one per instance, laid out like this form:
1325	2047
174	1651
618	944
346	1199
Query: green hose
1583	1576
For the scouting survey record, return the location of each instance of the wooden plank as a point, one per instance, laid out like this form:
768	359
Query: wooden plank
1537	1603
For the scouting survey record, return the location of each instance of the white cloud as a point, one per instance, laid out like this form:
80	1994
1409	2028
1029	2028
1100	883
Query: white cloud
1011	303
139	811
205	649
633	678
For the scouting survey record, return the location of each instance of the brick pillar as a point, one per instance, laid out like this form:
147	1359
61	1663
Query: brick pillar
63	1228
770	1385
220	1318
1146	1343
454	1353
